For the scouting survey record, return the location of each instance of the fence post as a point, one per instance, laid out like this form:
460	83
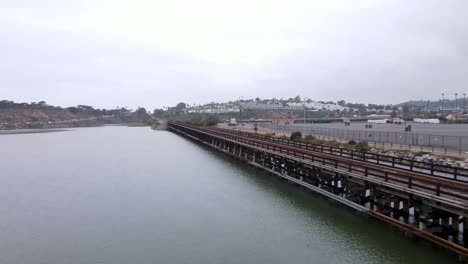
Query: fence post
460	144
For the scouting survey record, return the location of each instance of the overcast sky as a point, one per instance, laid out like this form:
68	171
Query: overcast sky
150	53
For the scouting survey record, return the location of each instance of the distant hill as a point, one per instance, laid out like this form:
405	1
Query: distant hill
37	115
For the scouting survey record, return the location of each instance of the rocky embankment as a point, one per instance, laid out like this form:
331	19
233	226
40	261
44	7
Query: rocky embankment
426	157
159	124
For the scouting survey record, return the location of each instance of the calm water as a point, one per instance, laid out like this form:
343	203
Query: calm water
133	195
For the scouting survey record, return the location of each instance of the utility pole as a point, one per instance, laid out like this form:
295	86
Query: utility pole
442	108
464	102
456	106
303	104
464	106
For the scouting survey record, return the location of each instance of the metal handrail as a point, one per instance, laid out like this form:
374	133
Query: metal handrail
428	168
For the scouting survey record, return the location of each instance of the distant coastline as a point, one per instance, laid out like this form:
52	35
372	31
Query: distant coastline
43	116
31	131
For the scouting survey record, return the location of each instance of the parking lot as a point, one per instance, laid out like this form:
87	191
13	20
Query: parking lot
453	137
433	129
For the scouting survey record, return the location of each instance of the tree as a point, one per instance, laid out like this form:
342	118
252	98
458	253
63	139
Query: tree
6	104
211	121
74	110
363	147
180	106
141	111
295	135
406	108
158	112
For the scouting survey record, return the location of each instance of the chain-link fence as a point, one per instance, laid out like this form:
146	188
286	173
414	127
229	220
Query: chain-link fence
444	142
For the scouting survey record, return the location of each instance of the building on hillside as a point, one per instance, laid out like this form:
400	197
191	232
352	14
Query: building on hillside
283	121
456	116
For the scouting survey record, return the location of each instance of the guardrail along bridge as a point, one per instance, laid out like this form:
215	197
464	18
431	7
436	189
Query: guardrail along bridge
427	200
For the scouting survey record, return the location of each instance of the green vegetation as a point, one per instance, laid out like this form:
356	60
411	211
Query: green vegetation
334	143
421	153
363	147
211	121
206	121
296	135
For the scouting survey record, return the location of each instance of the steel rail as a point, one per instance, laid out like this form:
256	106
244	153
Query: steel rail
428	168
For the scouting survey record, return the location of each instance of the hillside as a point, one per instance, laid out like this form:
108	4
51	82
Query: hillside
41	115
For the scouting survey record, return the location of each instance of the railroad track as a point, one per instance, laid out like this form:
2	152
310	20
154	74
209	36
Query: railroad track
427	168
444	190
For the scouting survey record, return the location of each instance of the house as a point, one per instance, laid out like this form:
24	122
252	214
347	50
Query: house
456	116
283	121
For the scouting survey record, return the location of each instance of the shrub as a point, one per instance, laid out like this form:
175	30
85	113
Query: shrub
352	142
363	147
309	138
296	135
421	153
320	142
211	121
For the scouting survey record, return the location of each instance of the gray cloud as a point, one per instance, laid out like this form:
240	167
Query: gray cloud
387	52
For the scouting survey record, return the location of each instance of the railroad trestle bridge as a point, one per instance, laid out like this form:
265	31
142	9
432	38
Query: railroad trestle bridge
425	200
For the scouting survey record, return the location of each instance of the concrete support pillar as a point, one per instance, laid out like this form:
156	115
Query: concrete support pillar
372	198
465	230
446	222
406	207
424	217
455	223
422	222
376	206
405	210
